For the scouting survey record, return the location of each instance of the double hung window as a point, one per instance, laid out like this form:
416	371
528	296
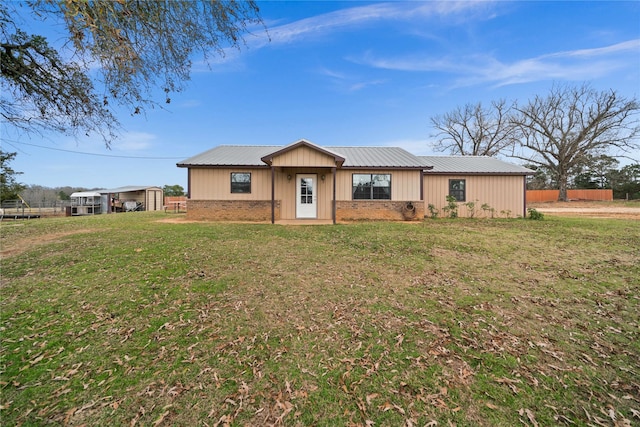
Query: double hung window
240	182
457	189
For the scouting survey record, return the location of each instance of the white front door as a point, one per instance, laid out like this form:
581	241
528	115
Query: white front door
306	196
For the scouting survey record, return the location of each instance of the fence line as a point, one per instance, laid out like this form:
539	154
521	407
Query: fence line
552	195
175	203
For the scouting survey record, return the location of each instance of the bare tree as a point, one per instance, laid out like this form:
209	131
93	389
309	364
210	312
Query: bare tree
135	47
473	130
41	91
561	130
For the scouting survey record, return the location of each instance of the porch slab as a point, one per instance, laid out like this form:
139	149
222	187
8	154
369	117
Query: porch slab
304	222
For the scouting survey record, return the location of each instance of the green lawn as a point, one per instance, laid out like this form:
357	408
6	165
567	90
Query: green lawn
128	320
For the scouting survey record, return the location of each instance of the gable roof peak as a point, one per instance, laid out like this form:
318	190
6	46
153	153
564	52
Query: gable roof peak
268	159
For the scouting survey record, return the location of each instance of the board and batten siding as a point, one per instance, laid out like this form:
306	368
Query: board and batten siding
286	191
405	184
303	157
505	194
215	184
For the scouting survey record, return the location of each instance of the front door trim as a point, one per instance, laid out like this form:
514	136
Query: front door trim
307	195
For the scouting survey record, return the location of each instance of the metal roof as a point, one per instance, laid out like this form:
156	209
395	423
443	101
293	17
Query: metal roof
473	165
378	157
128	189
268	159
251	155
231	155
85	194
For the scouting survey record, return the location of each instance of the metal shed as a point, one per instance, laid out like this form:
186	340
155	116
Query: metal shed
134	198
122	199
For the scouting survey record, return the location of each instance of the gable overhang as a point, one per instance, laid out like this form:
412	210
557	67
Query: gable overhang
217	166
385	168
431	172
337	159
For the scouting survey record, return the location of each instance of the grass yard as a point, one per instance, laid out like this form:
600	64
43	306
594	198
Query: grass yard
128	320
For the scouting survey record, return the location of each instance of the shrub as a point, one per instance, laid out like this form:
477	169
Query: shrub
433	211
471	206
486	208
452	207
535	215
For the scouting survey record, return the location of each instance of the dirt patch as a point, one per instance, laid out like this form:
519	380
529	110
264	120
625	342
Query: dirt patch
19	246
177	220
591	209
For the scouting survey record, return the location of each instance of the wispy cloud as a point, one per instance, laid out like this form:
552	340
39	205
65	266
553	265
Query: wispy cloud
134	141
580	64
354	87
324	24
348	83
190	103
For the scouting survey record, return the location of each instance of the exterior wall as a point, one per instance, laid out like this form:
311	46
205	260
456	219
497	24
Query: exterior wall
388	210
232	210
503	193
286	191
303	157
215	184
405	185
211	197
154	200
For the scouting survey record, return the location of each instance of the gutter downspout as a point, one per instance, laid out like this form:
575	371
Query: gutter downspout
333	209
422	185
188	186
524	198
273	195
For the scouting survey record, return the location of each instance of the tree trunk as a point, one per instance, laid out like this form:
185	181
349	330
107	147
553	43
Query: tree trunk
563	177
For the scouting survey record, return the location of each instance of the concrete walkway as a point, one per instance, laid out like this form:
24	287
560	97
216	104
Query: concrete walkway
304	222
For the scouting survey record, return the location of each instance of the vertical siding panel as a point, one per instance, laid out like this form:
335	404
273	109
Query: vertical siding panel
503	193
215	184
303	156
405	185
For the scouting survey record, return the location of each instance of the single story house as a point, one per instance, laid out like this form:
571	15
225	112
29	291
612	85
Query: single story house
303	181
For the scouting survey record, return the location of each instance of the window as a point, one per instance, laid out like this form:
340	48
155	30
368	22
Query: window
240	182
371	186
306	191
457	189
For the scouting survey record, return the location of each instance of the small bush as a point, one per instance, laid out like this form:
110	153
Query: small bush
471	206
535	215
486	208
433	211
452	207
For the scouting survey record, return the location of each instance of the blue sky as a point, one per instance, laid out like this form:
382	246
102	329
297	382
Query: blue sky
354	74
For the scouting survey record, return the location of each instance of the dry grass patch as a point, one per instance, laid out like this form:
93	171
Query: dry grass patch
465	322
